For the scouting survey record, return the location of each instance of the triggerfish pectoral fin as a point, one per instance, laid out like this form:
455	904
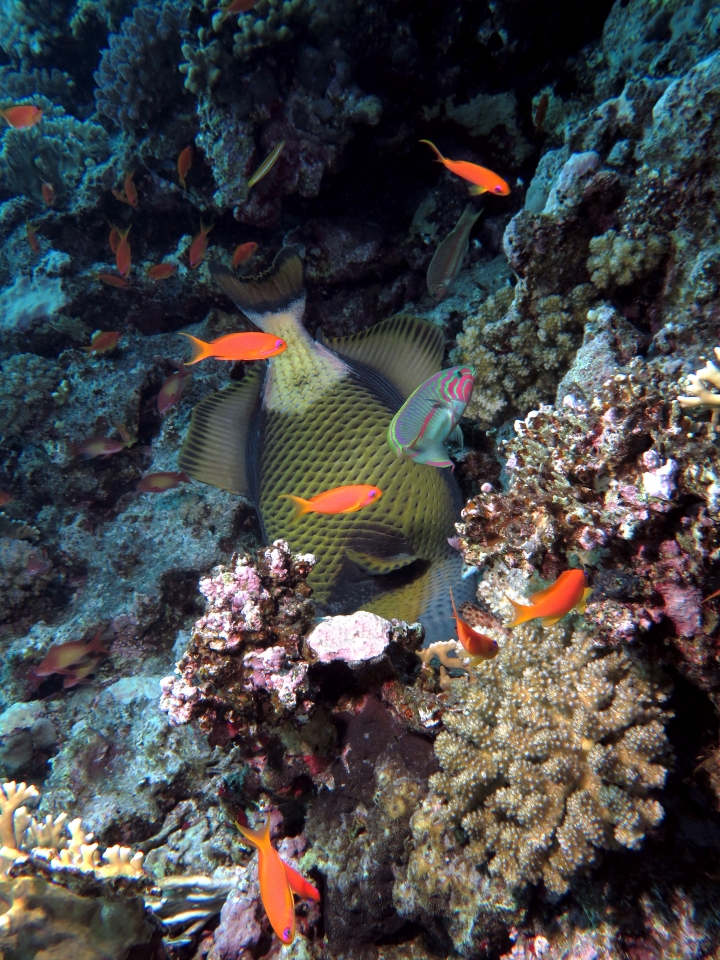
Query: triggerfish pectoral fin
216	447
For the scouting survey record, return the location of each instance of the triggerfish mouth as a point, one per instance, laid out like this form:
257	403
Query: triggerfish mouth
315	418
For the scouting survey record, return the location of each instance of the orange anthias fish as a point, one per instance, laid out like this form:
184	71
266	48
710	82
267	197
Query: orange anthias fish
161	271
482	179
236	346
32	239
103	342
48	193
123	257
102	446
114	238
129	193
5	497
63	656
80	673
23	116
199	245
347	499
570	591
171	390
277	882
161	481
184	162
477	644
111	280
243	252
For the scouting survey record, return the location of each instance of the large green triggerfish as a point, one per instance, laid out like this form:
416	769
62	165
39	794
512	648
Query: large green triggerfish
316	417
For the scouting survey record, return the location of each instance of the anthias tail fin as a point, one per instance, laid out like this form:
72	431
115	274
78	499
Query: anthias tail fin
301	506
215	449
280	289
405	350
200	349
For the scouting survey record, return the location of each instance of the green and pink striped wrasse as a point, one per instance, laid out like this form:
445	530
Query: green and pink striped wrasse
423	424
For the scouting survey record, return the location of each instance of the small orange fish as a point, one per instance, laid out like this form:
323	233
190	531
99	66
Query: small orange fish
482	179
161	271
32	239
277	882
111	280
102	446
37	564
184	162
239	6
5	497
348	499
103	342
81	673
114	238
541	112
477	644
171	390
199	245
129	193
62	656
123	258
243	252
162	481
21	117
48	193
569	591
711	597
236	346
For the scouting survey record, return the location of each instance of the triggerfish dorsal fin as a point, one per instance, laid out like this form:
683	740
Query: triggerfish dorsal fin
404	349
216	448
279	290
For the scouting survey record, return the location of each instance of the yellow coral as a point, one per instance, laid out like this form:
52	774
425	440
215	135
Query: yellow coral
699	395
619	260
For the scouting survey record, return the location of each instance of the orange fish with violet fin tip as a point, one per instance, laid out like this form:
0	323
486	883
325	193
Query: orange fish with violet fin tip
161	271
347	499
199	245
477	644
243	252
277	882
482	179
569	592
63	656
103	342
102	446
161	481
184	162
172	388
22	116
236	346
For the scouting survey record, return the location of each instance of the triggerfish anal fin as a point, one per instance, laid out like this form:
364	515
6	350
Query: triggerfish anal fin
216	449
279	289
404	349
379	565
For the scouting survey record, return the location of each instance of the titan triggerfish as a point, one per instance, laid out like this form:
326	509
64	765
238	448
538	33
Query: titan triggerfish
315	417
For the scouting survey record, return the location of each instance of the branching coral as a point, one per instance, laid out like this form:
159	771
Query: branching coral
617	260
58	151
137	80
269	22
700	396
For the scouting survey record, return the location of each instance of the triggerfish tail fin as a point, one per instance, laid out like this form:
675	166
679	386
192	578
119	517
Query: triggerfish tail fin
427	599
405	350
219	447
200	349
279	290
299	885
301	506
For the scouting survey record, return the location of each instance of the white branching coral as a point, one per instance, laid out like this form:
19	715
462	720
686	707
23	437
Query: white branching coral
548	757
700	396
23	836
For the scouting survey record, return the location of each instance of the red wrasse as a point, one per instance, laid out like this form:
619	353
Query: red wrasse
63	656
569	591
23	116
171	390
236	346
161	481
476	644
243	252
